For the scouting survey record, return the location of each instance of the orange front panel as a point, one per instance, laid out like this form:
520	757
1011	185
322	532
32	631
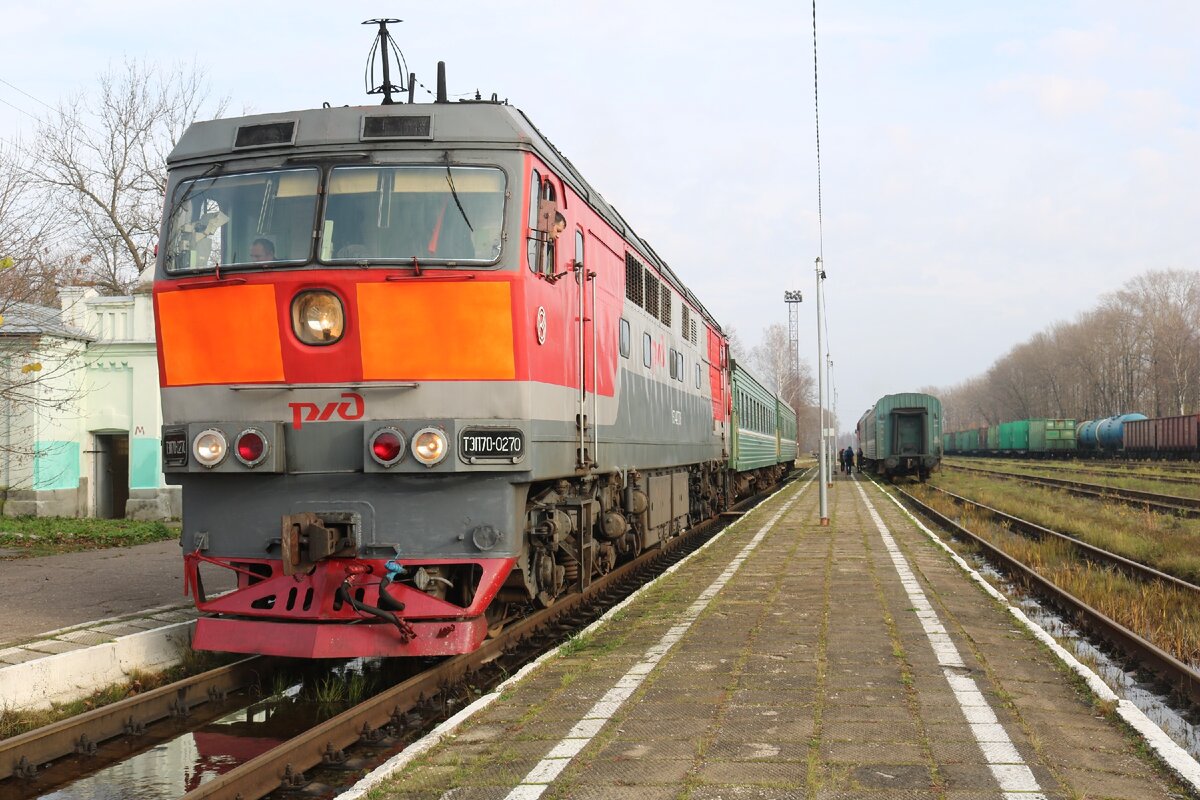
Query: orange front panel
224	334
452	330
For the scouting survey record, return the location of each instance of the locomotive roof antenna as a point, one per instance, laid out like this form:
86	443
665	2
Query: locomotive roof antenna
389	48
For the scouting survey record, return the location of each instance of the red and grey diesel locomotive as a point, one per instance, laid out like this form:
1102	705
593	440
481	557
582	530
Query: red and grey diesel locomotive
418	376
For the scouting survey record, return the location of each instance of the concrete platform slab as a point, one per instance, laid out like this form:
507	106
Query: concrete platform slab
793	660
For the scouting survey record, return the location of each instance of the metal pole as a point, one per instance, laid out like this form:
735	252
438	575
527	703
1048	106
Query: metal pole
831	395
823	468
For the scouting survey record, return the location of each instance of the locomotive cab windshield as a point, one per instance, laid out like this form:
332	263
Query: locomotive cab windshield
389	214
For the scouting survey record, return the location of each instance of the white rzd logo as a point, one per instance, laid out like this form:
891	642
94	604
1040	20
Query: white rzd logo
541	325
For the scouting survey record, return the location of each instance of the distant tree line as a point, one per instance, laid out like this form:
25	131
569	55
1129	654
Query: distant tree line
1139	350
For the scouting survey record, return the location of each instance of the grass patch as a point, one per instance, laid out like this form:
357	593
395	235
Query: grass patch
39	536
1166	542
1162	614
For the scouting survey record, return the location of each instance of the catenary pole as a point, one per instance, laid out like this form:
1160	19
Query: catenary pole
823	475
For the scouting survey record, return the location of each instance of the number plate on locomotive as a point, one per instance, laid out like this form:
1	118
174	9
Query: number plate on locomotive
507	444
175	448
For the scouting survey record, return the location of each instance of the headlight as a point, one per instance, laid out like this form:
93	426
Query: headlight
251	447
387	446
210	447
429	446
317	317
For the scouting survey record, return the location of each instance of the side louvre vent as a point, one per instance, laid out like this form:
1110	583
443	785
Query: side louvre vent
666	305
652	294
270	134
694	337
396	127
685	322
633	280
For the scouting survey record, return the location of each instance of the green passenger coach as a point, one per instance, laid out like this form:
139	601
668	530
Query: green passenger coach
763	425
902	435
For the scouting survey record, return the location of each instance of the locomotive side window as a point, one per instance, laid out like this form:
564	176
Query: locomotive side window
578	246
624	338
647	349
542	219
259	217
423	212
535	245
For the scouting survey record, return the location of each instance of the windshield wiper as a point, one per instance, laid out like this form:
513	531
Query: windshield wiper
454	192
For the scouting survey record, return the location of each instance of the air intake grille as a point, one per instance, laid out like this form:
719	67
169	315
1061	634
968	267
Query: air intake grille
267	135
633	280
666	305
651	294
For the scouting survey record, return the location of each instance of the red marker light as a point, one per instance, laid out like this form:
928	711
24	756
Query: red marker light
387	446
251	448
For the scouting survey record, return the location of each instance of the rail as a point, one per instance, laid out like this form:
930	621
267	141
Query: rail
1165	503
1182	677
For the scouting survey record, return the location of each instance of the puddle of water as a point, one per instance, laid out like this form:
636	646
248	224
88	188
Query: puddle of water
181	762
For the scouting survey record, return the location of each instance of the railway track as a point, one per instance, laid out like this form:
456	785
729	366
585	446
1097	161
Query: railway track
1099	466
1182	677
381	724
1077	468
1164	503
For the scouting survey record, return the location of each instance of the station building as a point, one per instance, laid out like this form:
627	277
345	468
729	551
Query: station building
80	417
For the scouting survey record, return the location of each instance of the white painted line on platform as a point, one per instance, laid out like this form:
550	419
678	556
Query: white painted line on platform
583	731
1013	776
540	777
1180	761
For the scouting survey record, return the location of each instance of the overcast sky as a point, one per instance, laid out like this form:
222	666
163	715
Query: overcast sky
987	169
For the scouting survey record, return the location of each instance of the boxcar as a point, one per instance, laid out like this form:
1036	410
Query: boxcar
1166	437
902	435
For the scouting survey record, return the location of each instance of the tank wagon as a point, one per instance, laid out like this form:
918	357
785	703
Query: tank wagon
902	435
1105	436
404	408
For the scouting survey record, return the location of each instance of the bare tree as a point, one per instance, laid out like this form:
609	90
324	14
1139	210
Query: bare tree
30	225
1167	308
103	156
737	350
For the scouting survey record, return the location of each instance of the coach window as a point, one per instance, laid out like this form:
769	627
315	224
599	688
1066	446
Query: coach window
647	349
624	338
